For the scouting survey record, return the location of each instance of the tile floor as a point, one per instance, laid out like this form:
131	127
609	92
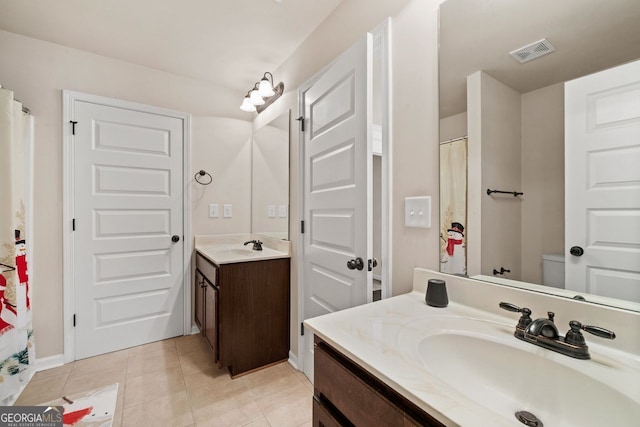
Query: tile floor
175	383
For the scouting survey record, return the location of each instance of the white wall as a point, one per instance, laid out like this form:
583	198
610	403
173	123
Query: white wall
37	72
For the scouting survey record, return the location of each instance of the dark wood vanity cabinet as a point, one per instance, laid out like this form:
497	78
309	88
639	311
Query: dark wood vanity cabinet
249	327
346	395
206	302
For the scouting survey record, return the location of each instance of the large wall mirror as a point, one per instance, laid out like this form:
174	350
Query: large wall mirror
270	179
519	240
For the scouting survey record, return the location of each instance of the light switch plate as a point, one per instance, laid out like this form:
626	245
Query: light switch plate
417	212
271	211
213	210
227	211
283	211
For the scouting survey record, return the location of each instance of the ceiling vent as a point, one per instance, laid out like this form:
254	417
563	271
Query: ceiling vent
532	51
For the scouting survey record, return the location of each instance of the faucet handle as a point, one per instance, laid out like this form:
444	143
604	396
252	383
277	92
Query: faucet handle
525	319
574	336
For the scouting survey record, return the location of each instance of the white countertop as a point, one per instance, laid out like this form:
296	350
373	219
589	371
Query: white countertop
230	248
368	334
382	337
229	253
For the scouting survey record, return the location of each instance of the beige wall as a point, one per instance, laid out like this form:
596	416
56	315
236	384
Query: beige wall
453	127
542	178
496	133
270	170
37	72
222	147
520	148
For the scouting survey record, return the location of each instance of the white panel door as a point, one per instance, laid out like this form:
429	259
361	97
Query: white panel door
602	157
128	203
337	194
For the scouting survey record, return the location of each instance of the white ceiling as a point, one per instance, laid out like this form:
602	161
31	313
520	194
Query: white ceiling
228	42
589	36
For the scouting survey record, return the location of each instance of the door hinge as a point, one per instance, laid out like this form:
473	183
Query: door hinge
302	329
73	127
74	320
301	120
302	227
73	224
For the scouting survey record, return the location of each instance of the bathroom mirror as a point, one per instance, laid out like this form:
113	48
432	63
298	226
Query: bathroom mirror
270	178
478	35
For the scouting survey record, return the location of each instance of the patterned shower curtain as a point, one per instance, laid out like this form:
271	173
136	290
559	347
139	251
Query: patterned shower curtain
16	334
453	206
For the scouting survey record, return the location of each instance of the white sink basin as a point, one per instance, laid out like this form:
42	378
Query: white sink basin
486	364
236	252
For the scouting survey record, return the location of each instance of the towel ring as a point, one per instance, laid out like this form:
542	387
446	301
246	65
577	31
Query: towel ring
203	173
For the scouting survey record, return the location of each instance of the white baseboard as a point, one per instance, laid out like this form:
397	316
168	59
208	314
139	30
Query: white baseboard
293	361
194	329
49	362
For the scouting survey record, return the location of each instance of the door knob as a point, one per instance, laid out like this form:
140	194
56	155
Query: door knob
576	251
355	264
175	238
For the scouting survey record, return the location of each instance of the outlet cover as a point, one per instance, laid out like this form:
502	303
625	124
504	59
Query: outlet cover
417	212
227	211
213	210
283	211
271	211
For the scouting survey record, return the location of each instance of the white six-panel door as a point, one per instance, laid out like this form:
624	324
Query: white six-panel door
337	194
128	205
602	160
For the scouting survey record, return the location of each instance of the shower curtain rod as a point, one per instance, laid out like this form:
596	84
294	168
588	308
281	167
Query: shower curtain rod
448	141
25	109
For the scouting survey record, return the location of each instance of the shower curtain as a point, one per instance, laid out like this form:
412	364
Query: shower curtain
453	206
16	334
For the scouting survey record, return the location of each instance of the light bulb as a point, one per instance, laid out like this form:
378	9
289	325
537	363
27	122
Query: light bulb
247	105
265	89
255	98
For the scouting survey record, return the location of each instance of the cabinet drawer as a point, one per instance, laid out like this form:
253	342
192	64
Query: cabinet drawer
322	417
353	393
350	395
207	269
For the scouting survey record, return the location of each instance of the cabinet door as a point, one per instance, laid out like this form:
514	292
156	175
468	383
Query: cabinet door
211	318
199	289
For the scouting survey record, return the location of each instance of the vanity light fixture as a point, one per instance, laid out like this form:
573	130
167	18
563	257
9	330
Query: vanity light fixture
262	94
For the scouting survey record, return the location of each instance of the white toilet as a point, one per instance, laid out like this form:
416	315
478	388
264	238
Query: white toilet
553	270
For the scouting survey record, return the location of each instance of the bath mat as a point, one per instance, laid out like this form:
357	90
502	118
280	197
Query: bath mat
93	408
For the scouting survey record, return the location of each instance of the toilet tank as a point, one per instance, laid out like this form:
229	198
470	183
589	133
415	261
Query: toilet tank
553	270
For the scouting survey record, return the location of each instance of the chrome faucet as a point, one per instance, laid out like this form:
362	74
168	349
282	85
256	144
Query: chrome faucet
257	244
544	333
